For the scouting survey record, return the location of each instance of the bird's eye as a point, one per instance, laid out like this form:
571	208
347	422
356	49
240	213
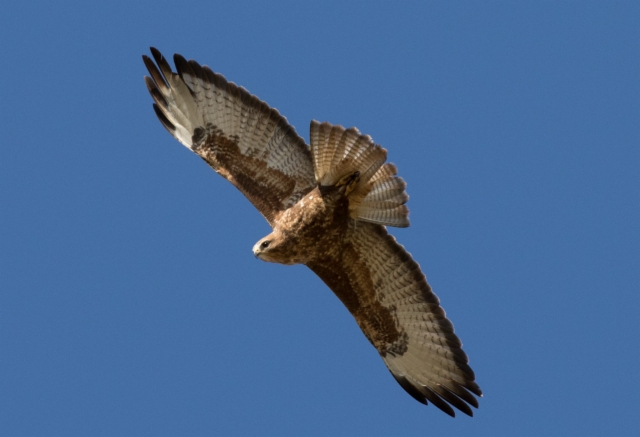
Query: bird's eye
264	244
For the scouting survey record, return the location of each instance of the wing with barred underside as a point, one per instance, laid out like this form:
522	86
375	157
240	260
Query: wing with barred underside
238	135
387	293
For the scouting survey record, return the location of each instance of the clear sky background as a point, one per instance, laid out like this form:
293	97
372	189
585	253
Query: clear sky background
130	301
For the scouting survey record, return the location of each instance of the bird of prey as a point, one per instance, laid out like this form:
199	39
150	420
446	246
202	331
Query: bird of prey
328	204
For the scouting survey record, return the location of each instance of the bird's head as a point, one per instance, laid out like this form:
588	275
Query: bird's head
272	249
282	248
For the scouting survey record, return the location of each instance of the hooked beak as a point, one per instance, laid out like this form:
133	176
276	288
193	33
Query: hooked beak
258	248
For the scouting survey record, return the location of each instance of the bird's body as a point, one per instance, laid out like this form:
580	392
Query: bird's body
328	205
319	220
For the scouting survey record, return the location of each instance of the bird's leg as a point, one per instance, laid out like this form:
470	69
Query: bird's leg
349	182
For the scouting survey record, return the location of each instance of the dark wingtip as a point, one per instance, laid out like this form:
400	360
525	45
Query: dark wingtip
463	393
156	53
157	95
163	119
156	75
473	388
182	65
164	66
149	83
438	401
450	397
409	388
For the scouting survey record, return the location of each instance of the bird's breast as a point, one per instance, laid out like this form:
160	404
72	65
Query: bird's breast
316	223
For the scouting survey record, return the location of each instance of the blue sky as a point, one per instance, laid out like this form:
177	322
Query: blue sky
130	302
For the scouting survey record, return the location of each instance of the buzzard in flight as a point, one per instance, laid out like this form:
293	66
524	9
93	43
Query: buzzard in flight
328	205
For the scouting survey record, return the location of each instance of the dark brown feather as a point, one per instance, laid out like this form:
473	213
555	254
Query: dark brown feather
409	388
163	119
437	401
454	400
162	63
183	67
155	74
155	93
463	393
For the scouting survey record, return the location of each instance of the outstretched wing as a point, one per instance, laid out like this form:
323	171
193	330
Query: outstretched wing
387	293
239	136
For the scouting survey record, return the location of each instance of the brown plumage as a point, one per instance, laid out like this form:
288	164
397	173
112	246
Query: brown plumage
328	205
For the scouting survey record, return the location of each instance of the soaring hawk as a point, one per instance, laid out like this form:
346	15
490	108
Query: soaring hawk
328	205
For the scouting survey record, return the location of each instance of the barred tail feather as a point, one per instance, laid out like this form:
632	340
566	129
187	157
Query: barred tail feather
380	195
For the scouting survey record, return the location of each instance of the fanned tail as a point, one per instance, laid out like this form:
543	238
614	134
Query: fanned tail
380	195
